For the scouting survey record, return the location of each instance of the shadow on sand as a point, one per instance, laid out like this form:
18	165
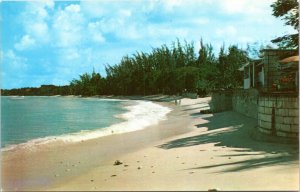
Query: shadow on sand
230	129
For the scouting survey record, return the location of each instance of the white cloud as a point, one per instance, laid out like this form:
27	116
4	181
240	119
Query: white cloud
68	26
226	31
248	7
26	42
13	62
95	31
34	20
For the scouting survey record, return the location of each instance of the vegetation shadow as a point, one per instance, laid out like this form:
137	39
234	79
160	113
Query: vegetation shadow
231	129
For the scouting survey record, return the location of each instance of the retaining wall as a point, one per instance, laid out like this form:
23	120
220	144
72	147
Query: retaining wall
279	115
245	102
221	101
276	114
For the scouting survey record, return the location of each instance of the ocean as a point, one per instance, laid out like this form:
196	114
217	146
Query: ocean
29	121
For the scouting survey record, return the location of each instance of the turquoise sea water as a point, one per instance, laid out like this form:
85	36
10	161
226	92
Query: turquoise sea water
27	118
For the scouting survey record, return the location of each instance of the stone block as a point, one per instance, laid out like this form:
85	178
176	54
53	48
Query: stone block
268	110
270	103
293	113
295	128
284	127
288	120
264	130
278	119
266	117
261	109
295	105
291	105
292	135
281	134
279	104
261	102
284	112
266	125
295	120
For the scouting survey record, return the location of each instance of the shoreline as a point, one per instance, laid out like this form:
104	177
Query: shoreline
131	107
188	151
28	166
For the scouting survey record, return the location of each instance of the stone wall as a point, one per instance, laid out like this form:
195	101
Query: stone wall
240	100
221	101
246	102
279	115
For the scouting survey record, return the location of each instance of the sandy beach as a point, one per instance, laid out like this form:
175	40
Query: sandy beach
188	151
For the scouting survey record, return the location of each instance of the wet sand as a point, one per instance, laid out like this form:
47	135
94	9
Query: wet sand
188	151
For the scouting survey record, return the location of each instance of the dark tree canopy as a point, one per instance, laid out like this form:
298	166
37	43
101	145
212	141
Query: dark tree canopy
164	70
288	10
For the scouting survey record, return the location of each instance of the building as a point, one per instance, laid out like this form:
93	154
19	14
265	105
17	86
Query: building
270	74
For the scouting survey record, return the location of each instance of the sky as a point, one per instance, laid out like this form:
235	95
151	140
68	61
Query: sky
53	42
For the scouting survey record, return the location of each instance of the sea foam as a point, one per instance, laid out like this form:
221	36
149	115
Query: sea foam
140	115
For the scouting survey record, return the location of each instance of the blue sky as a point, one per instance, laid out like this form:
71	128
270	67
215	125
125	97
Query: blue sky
52	42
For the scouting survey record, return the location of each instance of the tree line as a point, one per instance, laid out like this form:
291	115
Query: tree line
165	70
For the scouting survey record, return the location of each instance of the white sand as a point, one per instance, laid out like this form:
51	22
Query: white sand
218	154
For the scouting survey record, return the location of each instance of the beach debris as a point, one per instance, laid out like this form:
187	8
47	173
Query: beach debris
113	175
137	161
229	157
92	180
153	171
139	167
118	162
126	165
183	163
192	172
212	190
78	161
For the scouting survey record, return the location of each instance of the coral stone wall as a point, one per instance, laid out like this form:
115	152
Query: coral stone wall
221	101
276	114
279	115
245	102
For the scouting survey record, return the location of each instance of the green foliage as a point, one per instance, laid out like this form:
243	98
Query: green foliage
44	90
162	71
87	85
288	10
